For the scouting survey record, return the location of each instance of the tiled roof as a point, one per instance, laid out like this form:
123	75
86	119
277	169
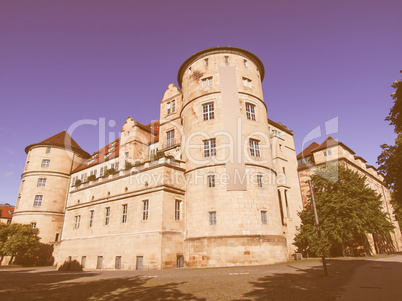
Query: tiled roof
280	126
329	142
105	154
5	212
62	139
308	150
110	151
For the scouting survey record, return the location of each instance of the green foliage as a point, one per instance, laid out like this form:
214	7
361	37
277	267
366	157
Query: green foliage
157	156
77	183
109	171
91	178
21	240
347	210
4	230
127	165
390	160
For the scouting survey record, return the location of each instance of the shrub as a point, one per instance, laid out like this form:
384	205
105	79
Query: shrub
109	171
91	178
78	183
128	165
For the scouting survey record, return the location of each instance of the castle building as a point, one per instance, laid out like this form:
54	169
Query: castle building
213	182
331	151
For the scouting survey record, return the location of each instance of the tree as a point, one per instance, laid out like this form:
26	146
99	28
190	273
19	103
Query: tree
21	240
347	210
390	160
4	229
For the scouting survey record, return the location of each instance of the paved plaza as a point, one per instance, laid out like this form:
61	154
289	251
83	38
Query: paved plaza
374	278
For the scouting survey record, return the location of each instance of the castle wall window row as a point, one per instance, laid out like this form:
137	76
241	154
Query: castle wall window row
77	221
145	210
211	181
91	218
177	210
206	82
212	218
264	219
124	214
107	215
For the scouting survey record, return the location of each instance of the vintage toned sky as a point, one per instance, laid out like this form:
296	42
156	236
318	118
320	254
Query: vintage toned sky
65	61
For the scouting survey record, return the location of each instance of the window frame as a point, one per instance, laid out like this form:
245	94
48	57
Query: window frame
45	163
264	217
91	218
145	210
77	221
259	181
250	111
211	181
124	213
38	200
254	146
48	149
209	148
208	111
170	139
107	216
212	218
177	210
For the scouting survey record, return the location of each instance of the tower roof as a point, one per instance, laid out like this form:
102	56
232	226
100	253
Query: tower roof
62	139
218	49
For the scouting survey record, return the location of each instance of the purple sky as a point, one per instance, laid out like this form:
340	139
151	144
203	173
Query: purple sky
64	61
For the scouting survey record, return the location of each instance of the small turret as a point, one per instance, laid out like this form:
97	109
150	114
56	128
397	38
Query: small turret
44	184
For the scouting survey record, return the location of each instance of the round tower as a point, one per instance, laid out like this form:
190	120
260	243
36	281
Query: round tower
232	209
45	182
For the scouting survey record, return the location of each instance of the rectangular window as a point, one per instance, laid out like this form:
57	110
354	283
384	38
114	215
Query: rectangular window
117	264
173	106
208	111
168	108
101	172
126	156
245	63
57	237
170	138
77	221
116	167
83	261
259	180
206	62
226	59
255	148
48	150
107	216
177	210
212	218
38	200
124	216
247	82
206	82
33	225
91	218
45	163
18	202
209	148
99	262
22	184
250	111
145	210
264	219
327	153
211	181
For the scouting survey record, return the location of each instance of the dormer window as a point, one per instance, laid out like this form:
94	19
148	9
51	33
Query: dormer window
206	82
247	82
168	108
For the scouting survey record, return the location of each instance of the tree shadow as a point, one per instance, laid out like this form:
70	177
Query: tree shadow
307	284
54	286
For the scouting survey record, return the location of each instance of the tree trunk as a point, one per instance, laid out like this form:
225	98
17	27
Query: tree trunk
343	250
11	260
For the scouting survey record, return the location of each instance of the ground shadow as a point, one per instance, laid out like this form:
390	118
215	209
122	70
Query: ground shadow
307	284
53	286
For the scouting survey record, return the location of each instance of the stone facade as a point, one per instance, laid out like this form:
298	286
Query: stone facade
213	182
331	151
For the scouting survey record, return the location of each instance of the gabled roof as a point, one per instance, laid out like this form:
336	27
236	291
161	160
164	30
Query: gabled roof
329	142
280	126
5	212
62	139
308	150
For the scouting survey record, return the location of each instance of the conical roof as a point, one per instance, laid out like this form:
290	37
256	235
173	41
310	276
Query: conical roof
62	139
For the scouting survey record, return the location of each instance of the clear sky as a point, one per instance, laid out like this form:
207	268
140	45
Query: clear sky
70	60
